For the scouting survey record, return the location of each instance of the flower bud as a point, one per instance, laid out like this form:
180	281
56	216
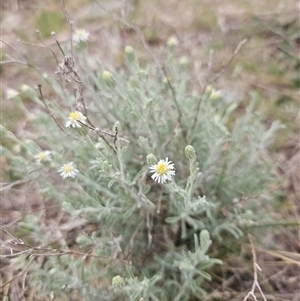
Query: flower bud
184	62
208	89
129	53
118	282
205	239
143	73
166	81
105	166
215	94
25	88
172	42
190	152
108	79
151	160
28	91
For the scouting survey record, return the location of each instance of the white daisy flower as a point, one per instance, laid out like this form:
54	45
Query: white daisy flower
163	171
68	171
43	157
172	42
11	93
80	35
74	119
215	94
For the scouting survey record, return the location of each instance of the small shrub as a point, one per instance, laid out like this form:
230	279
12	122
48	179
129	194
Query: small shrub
93	144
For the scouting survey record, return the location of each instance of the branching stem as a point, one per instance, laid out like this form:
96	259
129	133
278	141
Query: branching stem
255	280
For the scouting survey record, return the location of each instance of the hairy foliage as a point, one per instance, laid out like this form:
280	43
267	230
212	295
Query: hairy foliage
156	236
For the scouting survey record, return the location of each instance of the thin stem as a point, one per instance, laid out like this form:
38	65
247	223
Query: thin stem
197	109
255	281
235	52
71	23
41	46
94	146
48	110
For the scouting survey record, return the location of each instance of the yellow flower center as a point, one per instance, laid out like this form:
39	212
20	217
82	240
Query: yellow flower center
80	33
42	156
68	168
161	168
74	116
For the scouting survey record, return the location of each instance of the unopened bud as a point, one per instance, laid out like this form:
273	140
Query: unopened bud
208	89
184	62
204	238
166	82
143	73
190	152
215	94
105	166
28	91
118	282
108	79
151	160
129	53
172	42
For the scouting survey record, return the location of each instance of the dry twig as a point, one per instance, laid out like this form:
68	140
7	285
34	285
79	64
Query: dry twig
255	280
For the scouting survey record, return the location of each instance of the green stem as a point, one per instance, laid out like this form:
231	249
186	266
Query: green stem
92	143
